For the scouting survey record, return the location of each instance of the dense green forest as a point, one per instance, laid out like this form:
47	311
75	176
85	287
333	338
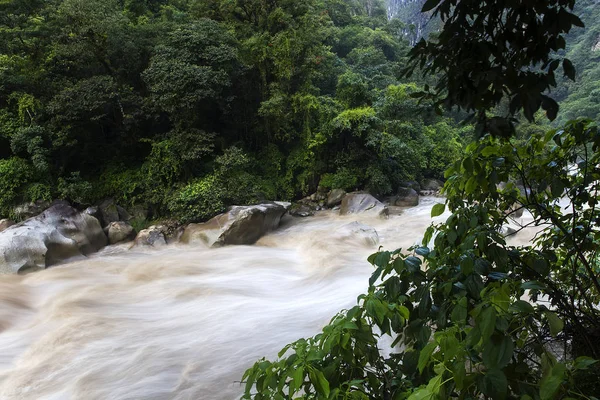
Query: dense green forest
190	106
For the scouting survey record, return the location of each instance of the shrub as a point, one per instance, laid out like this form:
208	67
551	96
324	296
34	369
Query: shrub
75	189
15	173
344	178
199	200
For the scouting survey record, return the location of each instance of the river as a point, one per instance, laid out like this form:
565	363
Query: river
183	322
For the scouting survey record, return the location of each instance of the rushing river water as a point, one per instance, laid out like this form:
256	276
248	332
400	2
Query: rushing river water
183	322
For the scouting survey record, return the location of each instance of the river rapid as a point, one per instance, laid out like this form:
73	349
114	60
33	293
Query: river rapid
184	322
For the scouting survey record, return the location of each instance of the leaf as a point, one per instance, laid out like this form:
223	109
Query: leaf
422	251
425	355
486	322
320	382
498	352
494	384
584	362
430	5
556	324
569	69
549	386
413	263
438	210
522	307
533	285
421	394
297	379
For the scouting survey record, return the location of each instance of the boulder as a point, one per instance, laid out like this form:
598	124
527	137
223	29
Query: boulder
119	231
57	234
5	224
303	209
335	197
357	231
240	225
28	210
112	212
406	197
108	212
411	184
153	236
432	185
355	203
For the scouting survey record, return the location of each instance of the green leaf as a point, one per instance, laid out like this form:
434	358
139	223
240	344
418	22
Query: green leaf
498	352
486	322
438	210
425	355
422	251
460	372
522	307
320	382
421	394
584	362
556	324
549	386
494	384
297	379
459	313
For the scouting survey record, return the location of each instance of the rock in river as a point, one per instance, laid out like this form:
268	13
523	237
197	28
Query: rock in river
240	225
57	234
354	203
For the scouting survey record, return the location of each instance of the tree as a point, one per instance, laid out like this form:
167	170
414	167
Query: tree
468	314
494	51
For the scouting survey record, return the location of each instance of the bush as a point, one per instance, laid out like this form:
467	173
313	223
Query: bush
199	200
15	173
344	178
75	189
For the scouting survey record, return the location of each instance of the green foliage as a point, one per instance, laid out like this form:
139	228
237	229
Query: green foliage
467	314
478	71
200	200
75	189
15	173
140	98
343	178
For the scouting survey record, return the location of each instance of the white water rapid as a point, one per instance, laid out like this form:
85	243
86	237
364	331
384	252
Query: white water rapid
184	322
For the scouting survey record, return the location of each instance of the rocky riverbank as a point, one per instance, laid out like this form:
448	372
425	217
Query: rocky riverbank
60	232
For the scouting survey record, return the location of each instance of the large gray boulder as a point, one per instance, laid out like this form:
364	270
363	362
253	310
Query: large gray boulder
57	234
335	197
356	203
119	231
240	225
406	197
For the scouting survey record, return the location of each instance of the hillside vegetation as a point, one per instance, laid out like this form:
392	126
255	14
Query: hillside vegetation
190	106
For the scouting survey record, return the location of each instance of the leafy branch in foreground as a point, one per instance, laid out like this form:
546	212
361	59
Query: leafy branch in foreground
472	316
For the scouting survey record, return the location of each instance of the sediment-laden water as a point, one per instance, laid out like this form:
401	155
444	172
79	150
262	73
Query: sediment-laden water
183	322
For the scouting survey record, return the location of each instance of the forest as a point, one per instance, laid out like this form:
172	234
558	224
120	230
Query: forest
187	107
